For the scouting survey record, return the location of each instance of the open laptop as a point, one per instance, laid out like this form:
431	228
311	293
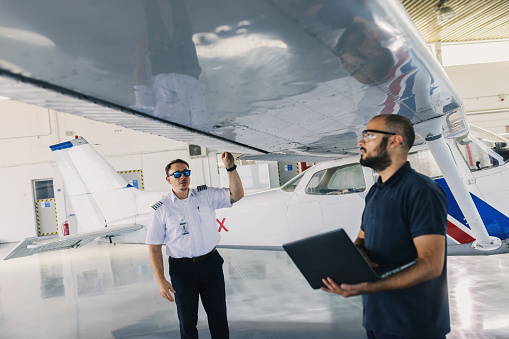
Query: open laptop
334	255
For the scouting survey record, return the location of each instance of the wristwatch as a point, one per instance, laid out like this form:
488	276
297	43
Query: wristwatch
233	168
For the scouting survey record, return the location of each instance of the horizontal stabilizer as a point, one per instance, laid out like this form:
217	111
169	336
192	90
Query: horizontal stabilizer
35	245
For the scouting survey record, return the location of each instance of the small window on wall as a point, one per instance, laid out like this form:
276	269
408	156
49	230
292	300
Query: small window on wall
44	189
337	180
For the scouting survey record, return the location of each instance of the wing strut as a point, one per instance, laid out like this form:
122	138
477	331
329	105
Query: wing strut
431	131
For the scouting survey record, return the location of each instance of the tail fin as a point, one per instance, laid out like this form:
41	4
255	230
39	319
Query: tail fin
98	194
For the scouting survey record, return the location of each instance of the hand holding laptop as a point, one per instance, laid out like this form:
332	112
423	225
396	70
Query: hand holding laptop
333	255
344	290
347	290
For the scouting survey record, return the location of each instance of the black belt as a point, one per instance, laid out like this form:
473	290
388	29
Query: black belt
196	259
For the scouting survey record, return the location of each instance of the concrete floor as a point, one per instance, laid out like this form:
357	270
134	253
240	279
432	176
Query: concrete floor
108	291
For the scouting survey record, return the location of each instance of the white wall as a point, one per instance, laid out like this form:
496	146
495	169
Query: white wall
27	131
480	85
497	123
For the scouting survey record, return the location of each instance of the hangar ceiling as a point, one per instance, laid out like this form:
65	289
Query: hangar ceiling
474	20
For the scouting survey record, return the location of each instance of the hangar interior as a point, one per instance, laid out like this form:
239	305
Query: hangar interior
104	291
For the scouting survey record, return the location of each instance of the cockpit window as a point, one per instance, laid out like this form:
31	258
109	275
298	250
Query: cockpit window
423	162
337	180
477	154
292	184
495	142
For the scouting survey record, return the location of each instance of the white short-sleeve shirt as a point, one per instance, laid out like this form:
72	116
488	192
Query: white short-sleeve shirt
188	227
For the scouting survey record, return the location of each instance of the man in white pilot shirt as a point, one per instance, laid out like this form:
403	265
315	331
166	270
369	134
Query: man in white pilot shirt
185	221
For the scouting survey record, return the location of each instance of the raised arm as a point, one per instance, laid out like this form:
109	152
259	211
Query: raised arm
236	189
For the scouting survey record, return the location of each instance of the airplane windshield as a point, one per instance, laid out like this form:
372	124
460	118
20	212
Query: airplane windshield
497	143
483	152
292	184
423	162
337	180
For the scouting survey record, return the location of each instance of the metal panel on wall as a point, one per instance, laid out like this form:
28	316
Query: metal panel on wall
45	207
287	170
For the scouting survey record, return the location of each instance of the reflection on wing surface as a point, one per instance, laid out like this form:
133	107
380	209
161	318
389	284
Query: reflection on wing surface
281	76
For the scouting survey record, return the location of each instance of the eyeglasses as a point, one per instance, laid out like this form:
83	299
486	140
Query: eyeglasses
368	134
352	66
178	174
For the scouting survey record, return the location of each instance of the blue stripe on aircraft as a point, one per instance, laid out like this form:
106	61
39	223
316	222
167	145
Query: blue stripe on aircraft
62	145
407	67
408	106
496	223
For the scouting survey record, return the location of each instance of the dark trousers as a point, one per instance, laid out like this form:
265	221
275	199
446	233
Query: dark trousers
206	280
380	335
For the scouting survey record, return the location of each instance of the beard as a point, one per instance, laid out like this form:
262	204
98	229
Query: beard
380	161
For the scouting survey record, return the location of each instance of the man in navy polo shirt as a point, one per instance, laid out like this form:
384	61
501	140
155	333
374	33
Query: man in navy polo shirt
405	219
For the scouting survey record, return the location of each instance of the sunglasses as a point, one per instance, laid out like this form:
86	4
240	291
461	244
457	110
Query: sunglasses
178	174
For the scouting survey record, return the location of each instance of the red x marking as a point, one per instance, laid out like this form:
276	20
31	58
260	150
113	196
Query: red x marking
221	225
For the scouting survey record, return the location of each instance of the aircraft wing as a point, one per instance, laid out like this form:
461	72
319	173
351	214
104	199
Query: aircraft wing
266	78
35	245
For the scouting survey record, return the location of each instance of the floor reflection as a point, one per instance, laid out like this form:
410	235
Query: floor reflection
108	291
52	279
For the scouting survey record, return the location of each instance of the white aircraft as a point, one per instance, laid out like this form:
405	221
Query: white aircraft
275	80
327	196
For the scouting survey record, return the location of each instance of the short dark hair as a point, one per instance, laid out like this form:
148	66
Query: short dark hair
377	69
400	125
350	39
176	161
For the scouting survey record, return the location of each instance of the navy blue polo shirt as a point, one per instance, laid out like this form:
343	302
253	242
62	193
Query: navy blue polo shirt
404	207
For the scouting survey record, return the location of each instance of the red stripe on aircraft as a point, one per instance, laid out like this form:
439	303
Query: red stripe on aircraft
395	85
457	234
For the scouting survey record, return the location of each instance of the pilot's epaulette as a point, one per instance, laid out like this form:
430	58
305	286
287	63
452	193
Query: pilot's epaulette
201	188
156	205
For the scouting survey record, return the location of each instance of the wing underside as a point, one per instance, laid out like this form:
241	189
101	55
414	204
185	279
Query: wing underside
264	77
